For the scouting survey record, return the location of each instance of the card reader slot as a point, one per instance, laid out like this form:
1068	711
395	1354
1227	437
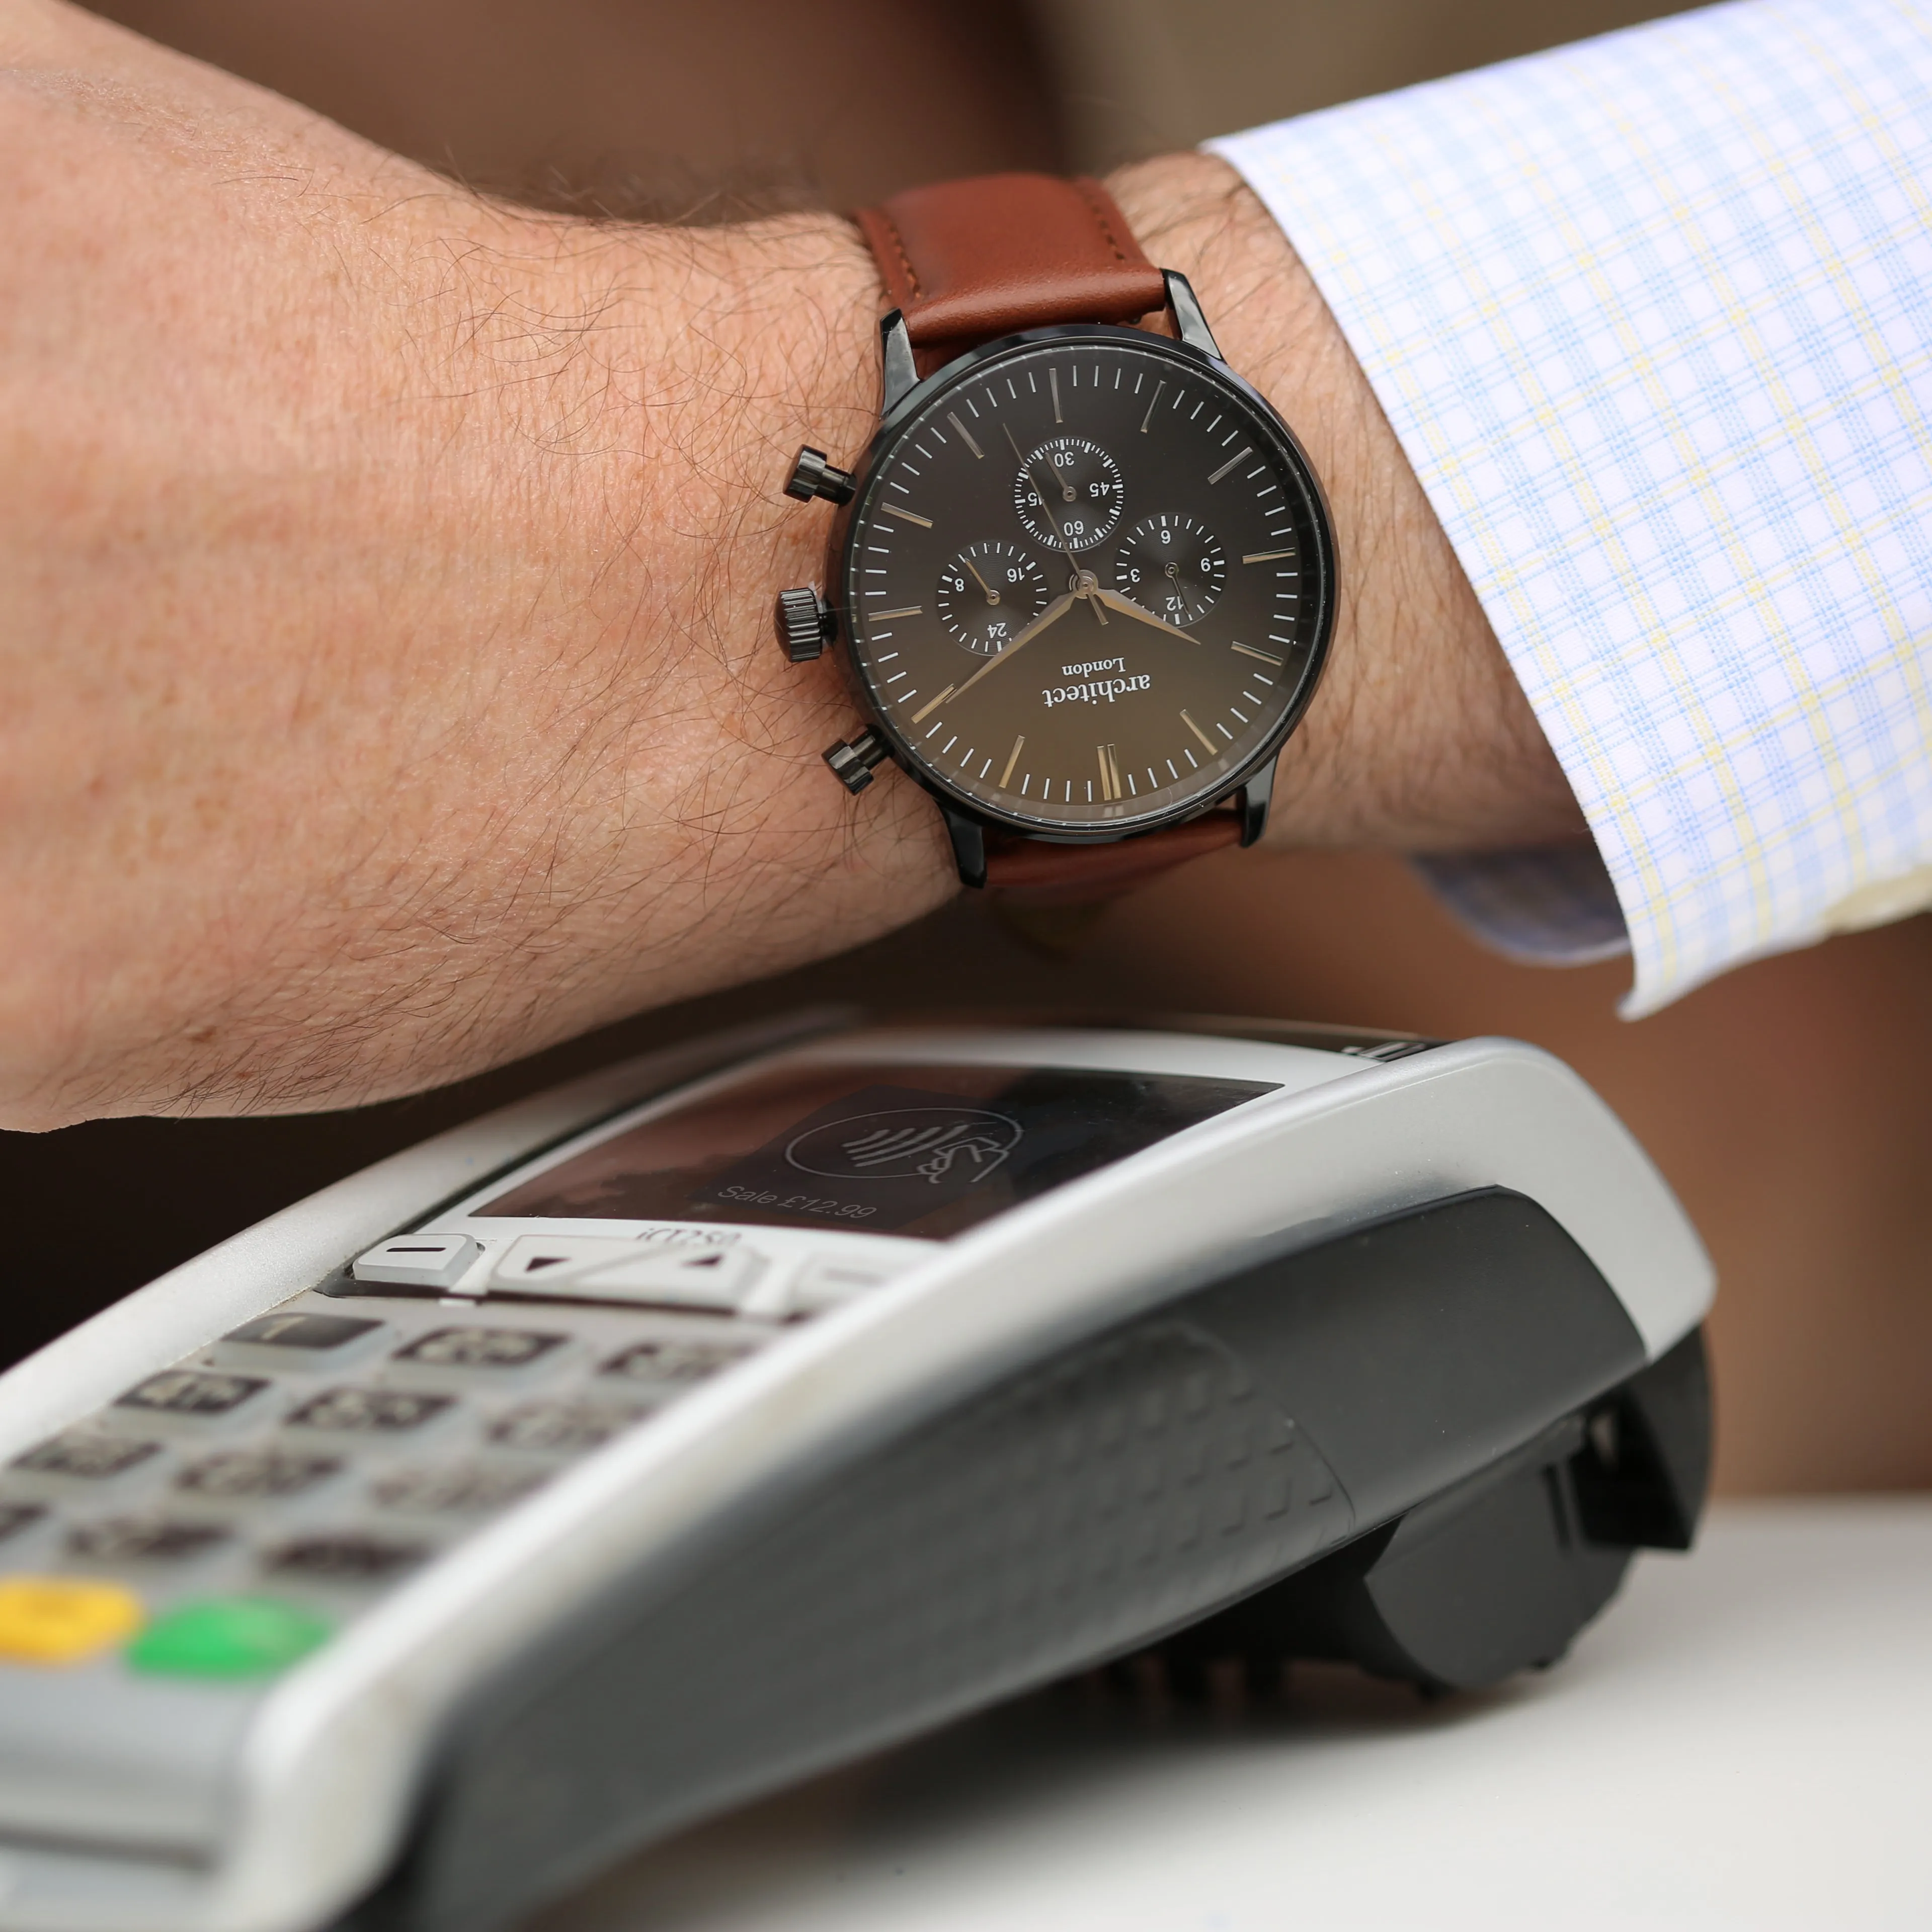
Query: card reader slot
1423	1346
1503	1568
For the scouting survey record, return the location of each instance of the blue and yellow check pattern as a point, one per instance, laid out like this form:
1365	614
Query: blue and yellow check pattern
1652	317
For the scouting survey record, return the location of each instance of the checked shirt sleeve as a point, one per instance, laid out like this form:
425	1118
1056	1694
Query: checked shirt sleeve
1652	317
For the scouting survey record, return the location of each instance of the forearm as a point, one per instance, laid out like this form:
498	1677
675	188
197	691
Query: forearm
388	600
386	606
1419	738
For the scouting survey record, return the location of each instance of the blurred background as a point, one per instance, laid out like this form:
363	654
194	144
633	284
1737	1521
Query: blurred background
1789	1104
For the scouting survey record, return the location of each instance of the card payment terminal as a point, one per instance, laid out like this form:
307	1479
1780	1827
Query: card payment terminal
406	1559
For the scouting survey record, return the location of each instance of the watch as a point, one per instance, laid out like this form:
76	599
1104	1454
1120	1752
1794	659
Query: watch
1084	577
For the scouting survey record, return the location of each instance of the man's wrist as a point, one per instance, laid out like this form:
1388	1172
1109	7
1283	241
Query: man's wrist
712	843
1420	737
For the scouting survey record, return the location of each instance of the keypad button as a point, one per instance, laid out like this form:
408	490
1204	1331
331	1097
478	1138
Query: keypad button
715	1279
63	1619
370	1411
227	1637
249	1475
677	1362
345	1558
479	1348
302	1333
462	1489
297	1341
821	1285
425	1262
143	1540
198	1394
15	1517
563	1428
536	1260
88	1458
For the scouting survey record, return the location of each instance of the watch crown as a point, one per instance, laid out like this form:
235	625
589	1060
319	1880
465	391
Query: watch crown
806	623
852	764
812	475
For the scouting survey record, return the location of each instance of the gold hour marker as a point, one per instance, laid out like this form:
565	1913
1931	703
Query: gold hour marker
1053	383
965	435
1110	772
1207	741
1013	759
925	523
1249	451
919	716
1263	555
1266	657
910	610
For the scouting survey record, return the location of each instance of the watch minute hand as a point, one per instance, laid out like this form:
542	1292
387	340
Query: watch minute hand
1054	612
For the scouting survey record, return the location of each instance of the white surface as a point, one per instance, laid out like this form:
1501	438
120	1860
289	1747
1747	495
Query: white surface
1742	1741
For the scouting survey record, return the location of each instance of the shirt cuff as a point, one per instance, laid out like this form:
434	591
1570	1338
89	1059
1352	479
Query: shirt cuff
1652	318
1552	905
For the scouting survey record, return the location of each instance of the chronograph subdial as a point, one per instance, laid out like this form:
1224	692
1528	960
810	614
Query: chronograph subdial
1172	565
1069	493
988	594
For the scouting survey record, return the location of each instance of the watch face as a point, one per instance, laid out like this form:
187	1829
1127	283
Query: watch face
1086	582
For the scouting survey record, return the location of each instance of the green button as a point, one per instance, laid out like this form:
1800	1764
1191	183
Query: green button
227	1637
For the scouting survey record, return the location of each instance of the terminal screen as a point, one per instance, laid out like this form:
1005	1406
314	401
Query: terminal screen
923	1151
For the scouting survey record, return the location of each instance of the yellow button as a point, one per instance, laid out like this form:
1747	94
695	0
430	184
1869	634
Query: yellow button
61	1619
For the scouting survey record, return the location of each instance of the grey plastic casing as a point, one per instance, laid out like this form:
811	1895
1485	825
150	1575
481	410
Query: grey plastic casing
304	1804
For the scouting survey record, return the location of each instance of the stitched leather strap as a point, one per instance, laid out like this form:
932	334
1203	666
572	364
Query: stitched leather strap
965	261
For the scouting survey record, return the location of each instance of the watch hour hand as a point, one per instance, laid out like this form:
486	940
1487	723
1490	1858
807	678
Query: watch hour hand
1128	607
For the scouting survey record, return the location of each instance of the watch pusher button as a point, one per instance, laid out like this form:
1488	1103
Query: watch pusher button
806	623
852	762
812	475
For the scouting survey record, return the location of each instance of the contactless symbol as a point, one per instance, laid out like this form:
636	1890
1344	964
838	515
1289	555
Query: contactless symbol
930	1144
879	1157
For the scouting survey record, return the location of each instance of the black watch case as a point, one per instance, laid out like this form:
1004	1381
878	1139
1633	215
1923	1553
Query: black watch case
1122	511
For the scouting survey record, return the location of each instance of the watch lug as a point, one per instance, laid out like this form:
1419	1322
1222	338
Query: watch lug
1251	802
901	374
1189	324
969	846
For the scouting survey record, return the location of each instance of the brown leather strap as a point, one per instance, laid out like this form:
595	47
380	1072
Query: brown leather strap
1037	874
967	260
